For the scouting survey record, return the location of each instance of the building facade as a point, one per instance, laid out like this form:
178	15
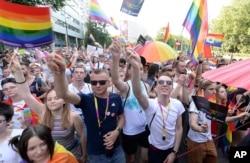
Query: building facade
68	23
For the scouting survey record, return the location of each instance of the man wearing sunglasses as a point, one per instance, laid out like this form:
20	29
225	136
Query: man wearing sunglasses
102	110
166	126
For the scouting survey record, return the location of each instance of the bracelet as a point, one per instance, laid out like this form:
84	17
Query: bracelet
174	151
200	62
118	129
21	82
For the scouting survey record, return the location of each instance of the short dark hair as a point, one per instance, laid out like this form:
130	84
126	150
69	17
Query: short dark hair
99	71
73	69
8	80
20	143
122	60
7	111
25	63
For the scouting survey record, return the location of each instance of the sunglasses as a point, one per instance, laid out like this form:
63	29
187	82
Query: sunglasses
168	82
101	82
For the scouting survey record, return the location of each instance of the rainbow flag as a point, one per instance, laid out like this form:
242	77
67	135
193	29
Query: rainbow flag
214	39
25	26
196	23
121	39
96	13
62	155
167	33
114	24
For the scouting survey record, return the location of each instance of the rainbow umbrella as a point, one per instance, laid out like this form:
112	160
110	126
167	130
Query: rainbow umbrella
156	51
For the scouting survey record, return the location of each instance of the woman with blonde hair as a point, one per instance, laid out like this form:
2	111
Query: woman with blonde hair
55	113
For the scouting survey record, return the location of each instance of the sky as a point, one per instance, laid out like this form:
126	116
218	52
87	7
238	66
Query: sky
155	14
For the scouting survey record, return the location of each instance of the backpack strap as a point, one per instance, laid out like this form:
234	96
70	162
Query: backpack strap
39	83
126	95
149	125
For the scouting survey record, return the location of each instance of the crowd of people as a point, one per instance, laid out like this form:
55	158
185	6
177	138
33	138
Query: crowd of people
71	106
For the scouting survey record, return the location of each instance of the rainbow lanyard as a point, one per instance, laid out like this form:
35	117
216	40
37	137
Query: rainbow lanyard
163	121
97	112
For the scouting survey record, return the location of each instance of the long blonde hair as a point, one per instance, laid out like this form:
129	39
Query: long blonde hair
48	118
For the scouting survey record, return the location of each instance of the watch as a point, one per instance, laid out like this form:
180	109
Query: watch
174	151
118	129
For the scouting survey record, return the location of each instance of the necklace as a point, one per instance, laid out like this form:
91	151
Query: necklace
164	132
97	111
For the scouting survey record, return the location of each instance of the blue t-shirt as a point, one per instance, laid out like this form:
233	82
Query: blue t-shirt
95	135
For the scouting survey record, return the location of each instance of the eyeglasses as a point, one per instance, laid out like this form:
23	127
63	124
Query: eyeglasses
101	82
168	82
10	88
1	121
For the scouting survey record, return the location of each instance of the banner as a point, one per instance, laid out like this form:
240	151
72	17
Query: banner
213	111
132	7
94	50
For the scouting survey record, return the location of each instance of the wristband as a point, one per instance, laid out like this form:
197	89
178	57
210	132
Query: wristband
118	129
200	62
21	82
174	151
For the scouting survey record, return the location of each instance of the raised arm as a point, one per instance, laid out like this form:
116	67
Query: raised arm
57	66
115	49
134	60
23	87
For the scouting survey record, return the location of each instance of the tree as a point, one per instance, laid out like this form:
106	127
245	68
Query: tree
55	4
234	23
98	30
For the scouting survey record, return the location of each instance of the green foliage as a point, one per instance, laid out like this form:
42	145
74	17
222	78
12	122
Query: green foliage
101	35
54	4
234	23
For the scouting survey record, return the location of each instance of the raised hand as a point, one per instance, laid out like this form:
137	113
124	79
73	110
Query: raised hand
14	64
115	49
133	58
56	63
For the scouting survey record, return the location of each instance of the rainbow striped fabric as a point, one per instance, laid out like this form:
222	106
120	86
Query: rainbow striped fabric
214	39
113	23
25	26
96	13
196	23
167	33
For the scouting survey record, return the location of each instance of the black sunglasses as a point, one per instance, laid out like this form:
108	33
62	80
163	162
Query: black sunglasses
168	82
101	82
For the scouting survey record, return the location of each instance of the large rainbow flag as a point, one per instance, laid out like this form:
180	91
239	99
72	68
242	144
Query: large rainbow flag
196	23
25	26
96	13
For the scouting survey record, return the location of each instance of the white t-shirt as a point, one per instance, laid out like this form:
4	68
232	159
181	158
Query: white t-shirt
7	154
170	117
85	90
199	137
135	118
